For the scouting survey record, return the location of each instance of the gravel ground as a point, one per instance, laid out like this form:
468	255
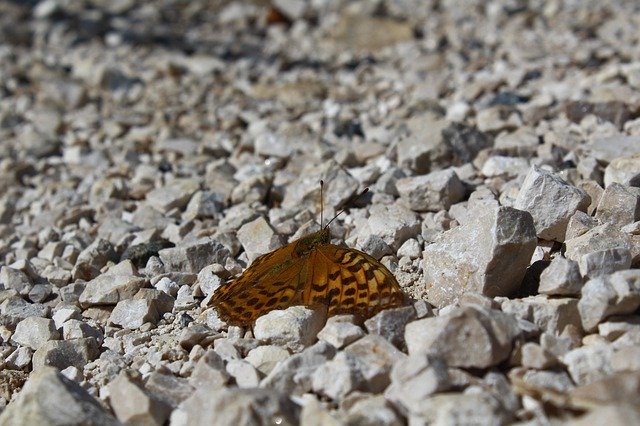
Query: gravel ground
150	150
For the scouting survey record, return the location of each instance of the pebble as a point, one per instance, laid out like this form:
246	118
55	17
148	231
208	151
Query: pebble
33	332
296	327
131	404
432	192
539	194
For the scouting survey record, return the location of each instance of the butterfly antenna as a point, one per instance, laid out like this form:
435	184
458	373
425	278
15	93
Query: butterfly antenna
321	201
350	201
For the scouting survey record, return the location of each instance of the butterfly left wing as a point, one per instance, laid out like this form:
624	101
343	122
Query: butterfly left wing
272	281
350	281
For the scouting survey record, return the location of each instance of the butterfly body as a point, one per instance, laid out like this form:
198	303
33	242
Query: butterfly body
309	271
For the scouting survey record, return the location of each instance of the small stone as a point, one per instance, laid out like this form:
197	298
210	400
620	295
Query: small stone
603	296
52	250
108	289
477	408
193	256
15	279
619	205
76	329
488	338
373	410
58	277
231	407
561	278
193	335
265	358
63	353
375	357
412	381
390	324
607	149
65	313
133	405
605	262
589	363
340	331
245	374
296	327
257	238
176	194
535	356
550	314
411	249
15	309
488	255
49	398
338	377
393	223
618	325
97	254
539	195
293	375
623	170
39	293
19	359
432	192
34	332
168	388
209	372
499	165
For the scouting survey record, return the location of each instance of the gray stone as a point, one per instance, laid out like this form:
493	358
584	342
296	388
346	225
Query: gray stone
411	249
561	278
257	238
252	189
64	353
168	388
241	407
393	223
551	201
535	356
488	255
265	358
432	192
58	277
390	324
133	405
244	374
15	279
589	363
64	313
623	170
425	146
338	377
375	357
488	336
109	289
619	205
49	398
176	194
498	165
340	331
209	371
296	327
372	411
471	408
193	335
579	224
607	149
34	332
193	256
20	359
605	262
615	294
550	314
414	380
76	329
293	375
15	309
97	254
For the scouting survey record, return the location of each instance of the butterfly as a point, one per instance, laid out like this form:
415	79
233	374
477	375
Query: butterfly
309	271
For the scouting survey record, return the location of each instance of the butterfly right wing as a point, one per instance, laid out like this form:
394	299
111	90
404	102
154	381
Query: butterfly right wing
272	281
350	281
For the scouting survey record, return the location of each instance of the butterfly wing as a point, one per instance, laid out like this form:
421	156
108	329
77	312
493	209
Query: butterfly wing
350	281
272	281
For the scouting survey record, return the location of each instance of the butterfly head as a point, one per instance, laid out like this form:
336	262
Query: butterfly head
308	243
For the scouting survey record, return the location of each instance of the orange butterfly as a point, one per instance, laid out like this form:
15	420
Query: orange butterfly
309	271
